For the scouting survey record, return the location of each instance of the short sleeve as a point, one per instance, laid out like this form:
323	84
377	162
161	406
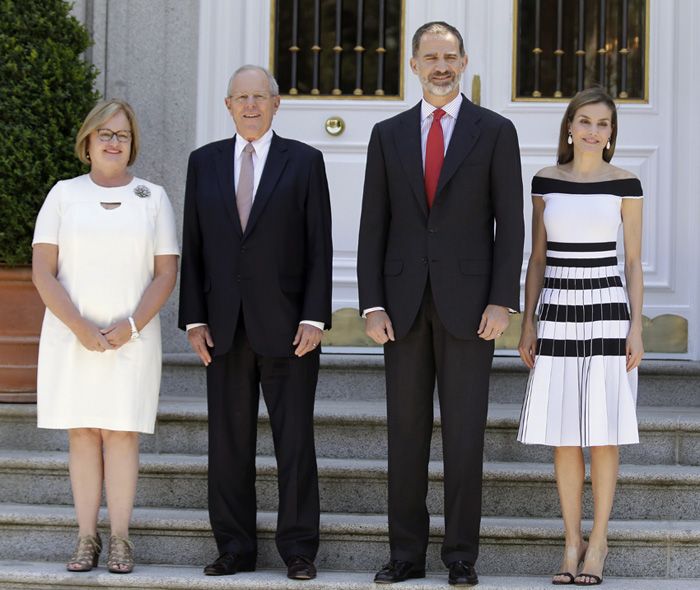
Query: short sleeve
633	189
538	188
166	233
48	222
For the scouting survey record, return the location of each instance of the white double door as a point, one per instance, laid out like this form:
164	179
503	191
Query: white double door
649	135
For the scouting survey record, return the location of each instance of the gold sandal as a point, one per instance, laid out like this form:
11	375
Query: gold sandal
86	554
121	555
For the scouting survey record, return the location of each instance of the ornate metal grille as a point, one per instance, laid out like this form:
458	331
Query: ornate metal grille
563	46
338	48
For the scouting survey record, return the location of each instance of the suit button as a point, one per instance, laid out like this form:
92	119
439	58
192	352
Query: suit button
243	249
238	278
432	230
424	260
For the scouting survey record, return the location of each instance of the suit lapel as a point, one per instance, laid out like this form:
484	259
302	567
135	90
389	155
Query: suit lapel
407	137
227	186
276	161
463	139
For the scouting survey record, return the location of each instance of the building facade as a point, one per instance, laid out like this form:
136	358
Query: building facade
343	66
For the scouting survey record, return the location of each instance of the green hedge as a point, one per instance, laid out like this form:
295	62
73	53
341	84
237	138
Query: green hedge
46	89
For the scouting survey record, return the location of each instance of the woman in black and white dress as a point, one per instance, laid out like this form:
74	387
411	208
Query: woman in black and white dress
585	343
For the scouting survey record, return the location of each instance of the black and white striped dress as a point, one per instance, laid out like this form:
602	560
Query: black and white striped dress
579	392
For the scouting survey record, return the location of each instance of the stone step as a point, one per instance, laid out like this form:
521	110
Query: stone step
347	429
361	377
359	542
42	575
360	486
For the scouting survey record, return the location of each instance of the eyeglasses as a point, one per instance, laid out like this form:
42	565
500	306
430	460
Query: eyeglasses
258	97
106	135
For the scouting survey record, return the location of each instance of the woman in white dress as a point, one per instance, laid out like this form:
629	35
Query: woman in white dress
104	262
585	344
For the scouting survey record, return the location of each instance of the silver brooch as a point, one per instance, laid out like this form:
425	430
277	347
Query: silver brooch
142	191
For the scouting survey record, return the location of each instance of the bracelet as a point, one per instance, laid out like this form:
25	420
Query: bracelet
134	332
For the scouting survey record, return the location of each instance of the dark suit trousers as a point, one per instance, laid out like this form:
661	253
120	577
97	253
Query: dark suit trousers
289	387
462	368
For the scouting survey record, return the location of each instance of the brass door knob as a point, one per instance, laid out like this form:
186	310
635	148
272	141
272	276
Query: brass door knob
335	125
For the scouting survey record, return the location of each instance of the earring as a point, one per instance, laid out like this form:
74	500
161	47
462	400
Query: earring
87	156
569	139
607	145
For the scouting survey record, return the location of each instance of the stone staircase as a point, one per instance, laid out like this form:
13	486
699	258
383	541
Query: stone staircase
655	531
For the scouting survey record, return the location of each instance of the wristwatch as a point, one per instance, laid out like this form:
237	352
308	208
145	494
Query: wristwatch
134	332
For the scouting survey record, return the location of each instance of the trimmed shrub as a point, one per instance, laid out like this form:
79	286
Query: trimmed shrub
46	89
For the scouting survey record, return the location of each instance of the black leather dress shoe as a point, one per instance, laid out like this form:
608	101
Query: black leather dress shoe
228	564
398	571
462	573
301	568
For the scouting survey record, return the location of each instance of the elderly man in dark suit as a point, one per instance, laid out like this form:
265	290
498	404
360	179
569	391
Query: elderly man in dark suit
440	252
255	297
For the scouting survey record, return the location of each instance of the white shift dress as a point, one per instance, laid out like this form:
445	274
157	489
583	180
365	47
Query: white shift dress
105	263
579	393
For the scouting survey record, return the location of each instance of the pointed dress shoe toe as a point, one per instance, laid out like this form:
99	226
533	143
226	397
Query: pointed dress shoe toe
228	564
398	571
301	568
462	573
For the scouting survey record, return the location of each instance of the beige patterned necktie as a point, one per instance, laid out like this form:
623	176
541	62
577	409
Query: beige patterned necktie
244	192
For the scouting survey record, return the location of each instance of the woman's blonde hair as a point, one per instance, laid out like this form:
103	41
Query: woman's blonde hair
102	112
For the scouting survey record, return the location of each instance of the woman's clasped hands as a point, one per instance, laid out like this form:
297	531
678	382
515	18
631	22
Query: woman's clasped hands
100	339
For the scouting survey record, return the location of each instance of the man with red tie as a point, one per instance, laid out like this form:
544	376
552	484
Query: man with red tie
439	258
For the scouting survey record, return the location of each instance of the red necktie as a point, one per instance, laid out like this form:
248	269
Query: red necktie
434	156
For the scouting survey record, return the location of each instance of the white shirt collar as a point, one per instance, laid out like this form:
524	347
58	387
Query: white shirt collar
451	108
262	143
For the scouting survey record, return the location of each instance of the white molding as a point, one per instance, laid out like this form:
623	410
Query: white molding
329	147
217	41
389	106
224	45
684	166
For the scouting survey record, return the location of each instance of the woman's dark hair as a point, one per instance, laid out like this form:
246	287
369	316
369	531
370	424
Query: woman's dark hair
565	152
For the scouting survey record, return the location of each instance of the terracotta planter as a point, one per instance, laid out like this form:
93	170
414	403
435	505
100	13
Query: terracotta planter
21	314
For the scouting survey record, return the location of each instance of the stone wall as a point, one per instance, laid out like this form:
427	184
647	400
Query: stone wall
146	52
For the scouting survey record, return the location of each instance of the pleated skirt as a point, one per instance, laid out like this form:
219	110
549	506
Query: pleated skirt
579	392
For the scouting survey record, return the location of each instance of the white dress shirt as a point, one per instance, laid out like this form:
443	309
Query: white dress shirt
262	148
448	122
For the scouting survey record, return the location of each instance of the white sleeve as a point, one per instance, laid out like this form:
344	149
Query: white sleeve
166	233
370	310
48	222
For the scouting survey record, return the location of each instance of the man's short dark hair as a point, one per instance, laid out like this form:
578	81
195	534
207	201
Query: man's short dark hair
436	27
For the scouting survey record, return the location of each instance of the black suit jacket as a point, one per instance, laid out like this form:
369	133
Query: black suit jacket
279	270
402	243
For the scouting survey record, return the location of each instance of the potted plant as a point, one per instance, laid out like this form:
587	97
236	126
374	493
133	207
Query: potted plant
46	90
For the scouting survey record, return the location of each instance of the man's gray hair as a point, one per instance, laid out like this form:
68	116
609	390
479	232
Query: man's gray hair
274	87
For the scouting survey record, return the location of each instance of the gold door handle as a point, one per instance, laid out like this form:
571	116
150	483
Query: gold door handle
476	89
335	125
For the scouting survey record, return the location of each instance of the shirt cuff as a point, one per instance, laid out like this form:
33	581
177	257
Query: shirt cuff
188	327
319	325
371	309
